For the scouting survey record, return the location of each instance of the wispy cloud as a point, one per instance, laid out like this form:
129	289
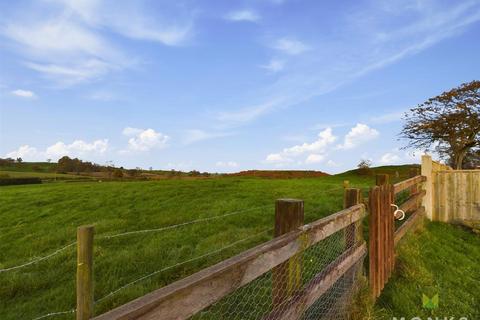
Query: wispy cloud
387	117
243	15
274	65
290	46
69	44
369	43
24	93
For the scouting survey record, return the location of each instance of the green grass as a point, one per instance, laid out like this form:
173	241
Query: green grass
29	167
42	175
37	219
440	259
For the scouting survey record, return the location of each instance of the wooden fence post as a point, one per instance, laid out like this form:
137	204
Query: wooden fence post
427	201
287	277
373	241
85	272
351	197
414	189
381	237
382	179
346	184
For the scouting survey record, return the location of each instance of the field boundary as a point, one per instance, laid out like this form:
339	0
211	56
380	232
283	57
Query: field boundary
187	297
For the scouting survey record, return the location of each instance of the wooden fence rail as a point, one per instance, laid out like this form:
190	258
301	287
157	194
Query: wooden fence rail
282	256
190	295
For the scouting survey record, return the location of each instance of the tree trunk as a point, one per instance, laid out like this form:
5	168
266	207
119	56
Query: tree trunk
459	159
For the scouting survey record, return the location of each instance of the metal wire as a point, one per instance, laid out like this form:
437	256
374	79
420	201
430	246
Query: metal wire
53	314
180	224
58	251
271	295
181	263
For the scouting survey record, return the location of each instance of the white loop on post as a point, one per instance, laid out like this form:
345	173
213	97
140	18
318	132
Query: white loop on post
398	210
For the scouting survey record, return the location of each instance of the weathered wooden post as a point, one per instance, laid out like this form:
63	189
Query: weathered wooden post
382	179
414	189
373	240
85	272
427	201
351	197
346	184
381	236
287	277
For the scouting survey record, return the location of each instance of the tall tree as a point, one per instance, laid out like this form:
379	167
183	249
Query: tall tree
448	124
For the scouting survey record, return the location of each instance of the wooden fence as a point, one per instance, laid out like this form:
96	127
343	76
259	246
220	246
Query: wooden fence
452	195
382	234
282	258
186	297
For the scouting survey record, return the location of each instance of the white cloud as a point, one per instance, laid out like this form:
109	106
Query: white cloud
316	150
171	26
358	135
67	45
78	148
129	131
332	163
145	140
389	158
274	65
25	152
243	15
24	93
325	138
226	164
290	46
314	158
277	158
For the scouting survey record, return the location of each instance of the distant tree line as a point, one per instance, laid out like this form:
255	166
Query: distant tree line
66	164
10	161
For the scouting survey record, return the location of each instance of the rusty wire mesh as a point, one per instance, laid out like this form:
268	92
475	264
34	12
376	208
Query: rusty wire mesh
281	290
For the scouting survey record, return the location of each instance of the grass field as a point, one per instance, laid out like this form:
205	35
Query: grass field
439	259
47	216
37	219
42	175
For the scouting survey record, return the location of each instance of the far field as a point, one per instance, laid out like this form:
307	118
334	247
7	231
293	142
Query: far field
37	219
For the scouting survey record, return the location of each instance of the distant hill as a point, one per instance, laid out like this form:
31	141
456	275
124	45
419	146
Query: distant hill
400	171
279	174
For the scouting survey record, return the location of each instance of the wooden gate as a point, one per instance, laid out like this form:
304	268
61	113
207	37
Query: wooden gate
381	237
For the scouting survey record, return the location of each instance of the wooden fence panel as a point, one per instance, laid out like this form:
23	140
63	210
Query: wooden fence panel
456	195
184	298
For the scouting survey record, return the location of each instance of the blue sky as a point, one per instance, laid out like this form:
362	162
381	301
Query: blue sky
226	85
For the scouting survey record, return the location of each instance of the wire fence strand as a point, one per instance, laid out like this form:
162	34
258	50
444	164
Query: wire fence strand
53	314
180	224
58	251
181	263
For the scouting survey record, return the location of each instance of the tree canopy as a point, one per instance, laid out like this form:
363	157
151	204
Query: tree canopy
448	124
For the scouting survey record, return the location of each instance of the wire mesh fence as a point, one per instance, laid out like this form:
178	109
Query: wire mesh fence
307	286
